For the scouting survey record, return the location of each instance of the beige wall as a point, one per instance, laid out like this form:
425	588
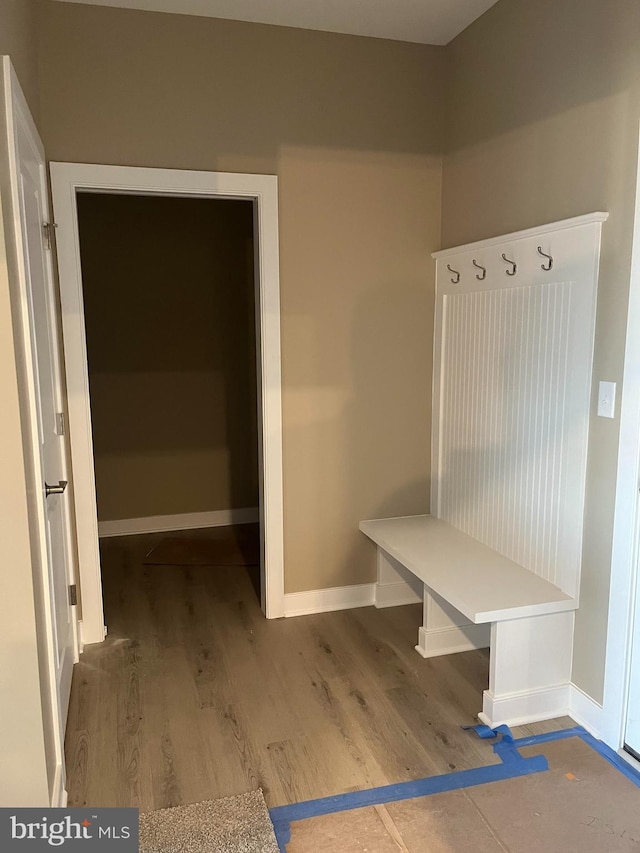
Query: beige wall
170	320
352	126
18	39
543	110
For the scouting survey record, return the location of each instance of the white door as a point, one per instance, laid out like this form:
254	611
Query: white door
41	352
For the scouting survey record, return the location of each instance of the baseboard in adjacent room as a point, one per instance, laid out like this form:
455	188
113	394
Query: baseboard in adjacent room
182	521
325	600
451	640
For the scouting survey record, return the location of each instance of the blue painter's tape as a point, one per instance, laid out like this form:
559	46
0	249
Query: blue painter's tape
408	790
504	747
601	748
505	731
486	732
282	831
507	752
514	765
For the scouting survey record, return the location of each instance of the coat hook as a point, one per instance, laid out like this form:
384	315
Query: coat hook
456	273
513	264
479	267
544	255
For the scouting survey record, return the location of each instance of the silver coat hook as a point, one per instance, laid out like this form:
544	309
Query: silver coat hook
456	274
479	267
544	255
513	264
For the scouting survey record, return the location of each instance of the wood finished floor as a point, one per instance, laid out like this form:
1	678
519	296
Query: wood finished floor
194	695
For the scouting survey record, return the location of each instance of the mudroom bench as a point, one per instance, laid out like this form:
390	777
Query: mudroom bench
475	597
498	561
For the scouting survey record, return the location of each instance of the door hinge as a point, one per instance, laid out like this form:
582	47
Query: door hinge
73	594
60	423
49	232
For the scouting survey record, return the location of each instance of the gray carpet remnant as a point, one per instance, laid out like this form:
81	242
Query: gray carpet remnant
231	825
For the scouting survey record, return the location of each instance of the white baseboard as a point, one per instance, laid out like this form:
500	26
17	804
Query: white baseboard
585	711
325	600
519	709
536	706
184	521
451	640
396	594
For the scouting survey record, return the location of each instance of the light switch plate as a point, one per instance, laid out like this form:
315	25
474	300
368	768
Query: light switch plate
606	399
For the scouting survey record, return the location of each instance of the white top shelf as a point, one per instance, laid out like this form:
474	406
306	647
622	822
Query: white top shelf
514	236
478	581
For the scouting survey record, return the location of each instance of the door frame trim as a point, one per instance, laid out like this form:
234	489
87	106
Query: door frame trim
626	526
68	179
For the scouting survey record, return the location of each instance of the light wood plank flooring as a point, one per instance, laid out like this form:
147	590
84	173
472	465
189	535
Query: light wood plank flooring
194	695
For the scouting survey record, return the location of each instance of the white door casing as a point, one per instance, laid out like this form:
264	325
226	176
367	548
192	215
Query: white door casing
67	180
612	715
42	366
632	726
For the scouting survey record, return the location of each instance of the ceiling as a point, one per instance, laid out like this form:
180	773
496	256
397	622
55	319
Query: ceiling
420	21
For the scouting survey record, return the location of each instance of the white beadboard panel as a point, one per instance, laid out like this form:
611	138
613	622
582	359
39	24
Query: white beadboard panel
503	425
512	386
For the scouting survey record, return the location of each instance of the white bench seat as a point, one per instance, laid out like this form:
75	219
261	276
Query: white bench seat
474	597
478	581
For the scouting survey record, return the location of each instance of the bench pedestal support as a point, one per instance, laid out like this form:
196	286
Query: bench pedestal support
530	665
530	670
446	631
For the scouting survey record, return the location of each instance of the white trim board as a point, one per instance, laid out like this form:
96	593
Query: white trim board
68	179
183	521
626	524
538	231
325	600
585	711
349	597
522	708
548	703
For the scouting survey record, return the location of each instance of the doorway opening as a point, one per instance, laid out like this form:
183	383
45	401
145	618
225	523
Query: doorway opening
174	409
169	307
